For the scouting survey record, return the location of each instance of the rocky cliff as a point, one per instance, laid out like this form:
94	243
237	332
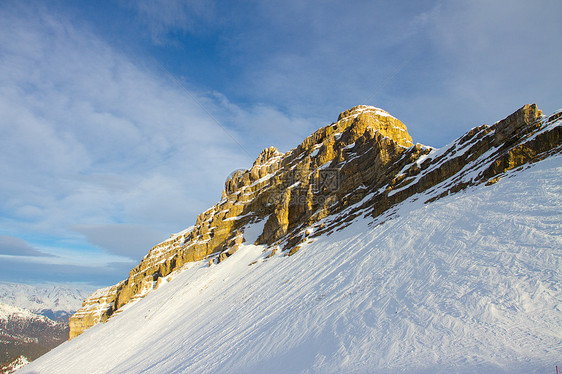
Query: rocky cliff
363	164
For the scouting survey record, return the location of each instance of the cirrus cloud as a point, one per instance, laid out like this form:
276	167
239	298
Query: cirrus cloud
13	246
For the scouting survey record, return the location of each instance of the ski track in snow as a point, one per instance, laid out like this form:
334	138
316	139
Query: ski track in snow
469	283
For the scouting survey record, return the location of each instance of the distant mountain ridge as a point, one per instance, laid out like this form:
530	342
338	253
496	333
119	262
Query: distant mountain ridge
54	301
28	334
34	319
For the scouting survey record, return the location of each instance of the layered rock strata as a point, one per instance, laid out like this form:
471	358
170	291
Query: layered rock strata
363	164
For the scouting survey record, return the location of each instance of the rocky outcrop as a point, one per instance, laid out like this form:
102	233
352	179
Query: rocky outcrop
363	164
94	310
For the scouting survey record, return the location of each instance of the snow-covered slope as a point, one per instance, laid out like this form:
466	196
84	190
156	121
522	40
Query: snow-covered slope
14	365
8	312
50	300
469	283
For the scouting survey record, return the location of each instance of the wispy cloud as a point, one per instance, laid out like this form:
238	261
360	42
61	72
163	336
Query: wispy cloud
462	63
89	137
12	246
41	273
326	58
111	238
104	151
482	60
171	16
100	141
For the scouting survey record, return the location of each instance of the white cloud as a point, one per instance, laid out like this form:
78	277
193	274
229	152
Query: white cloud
92	137
496	56
139	239
12	246
88	137
480	62
15	270
307	57
263	126
94	143
440	66
165	16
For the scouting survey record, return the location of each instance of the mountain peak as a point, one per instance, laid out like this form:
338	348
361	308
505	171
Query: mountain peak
376	263
266	155
359	109
362	165
361	117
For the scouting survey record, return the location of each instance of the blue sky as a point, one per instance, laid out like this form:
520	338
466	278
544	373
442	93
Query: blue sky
120	120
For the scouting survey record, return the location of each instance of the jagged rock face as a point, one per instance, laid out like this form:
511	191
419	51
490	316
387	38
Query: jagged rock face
363	116
94	310
364	163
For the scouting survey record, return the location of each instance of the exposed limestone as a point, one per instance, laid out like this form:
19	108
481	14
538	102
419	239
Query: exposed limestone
294	250
480	156
363	164
94	310
363	116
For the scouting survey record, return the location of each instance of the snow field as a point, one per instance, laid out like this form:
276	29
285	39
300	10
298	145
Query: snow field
469	283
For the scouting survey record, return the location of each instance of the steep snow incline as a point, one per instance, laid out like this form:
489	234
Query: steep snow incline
469	283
